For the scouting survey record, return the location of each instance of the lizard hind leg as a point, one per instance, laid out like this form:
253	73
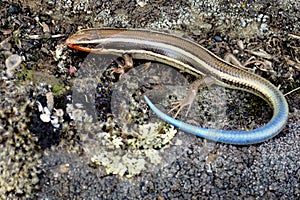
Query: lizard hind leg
189	99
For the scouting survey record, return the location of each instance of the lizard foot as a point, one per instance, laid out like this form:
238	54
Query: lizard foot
122	69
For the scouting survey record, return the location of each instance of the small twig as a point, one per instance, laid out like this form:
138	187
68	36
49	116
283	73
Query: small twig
294	36
37	37
292	91
260	53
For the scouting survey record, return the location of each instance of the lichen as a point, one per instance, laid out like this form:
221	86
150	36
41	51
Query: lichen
130	157
20	157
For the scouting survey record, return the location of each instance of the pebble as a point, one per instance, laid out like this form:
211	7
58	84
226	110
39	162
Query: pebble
218	38
13	9
50	100
141	3
11	63
45	117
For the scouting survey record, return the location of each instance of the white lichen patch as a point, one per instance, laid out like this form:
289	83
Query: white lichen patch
134	165
112	166
153	156
117	141
129	157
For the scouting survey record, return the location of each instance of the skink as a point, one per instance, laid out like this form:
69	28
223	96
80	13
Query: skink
190	57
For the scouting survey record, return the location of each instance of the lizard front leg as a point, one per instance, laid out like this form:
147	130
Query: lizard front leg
122	69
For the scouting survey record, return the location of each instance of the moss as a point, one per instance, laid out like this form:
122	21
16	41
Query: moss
24	75
58	88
